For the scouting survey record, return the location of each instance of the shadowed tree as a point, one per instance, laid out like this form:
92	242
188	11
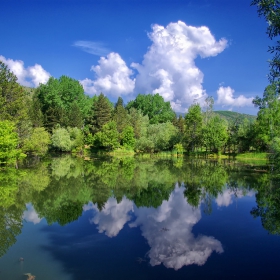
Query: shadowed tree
100	115
120	115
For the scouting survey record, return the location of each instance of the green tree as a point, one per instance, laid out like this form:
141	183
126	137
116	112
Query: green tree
160	137
75	116
108	137
270	9
128	139
38	142
215	134
57	97
139	122
193	121
67	140
61	139
120	115
101	114
154	106
268	119
13	102
9	152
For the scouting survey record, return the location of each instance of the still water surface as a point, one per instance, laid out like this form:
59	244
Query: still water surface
139	219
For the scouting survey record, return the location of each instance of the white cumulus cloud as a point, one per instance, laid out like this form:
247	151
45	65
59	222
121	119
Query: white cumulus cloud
31	76
168	68
226	98
112	77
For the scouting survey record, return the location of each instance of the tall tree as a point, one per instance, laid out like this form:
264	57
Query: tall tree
154	106
120	115
268	119
57	97
101	114
215	134
193	121
139	122
9	152
270	9
75	116
13	102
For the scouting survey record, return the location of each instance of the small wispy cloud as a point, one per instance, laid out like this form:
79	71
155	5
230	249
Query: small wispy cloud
95	48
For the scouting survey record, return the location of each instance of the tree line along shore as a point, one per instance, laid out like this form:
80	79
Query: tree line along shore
58	116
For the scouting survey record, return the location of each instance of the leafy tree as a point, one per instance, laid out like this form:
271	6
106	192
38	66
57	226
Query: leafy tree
139	122
120	115
38	142
12	97
55	116
13	102
57	97
154	106
61	139
35	112
160	137
193	121
75	116
268	119
9	153
68	139
108	137
128	140
270	9
215	133
101	114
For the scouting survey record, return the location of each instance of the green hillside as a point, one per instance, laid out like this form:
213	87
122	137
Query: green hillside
231	116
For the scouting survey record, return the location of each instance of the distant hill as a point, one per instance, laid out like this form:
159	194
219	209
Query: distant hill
231	116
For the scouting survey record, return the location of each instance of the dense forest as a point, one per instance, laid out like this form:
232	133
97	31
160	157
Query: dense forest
58	116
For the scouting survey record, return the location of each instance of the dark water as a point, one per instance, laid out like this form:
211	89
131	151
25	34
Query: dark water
139	219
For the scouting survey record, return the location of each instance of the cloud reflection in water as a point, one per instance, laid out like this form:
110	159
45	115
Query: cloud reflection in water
168	229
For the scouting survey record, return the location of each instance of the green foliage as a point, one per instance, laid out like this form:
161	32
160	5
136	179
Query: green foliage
57	98
179	148
108	137
120	115
128	140
101	113
38	142
215	134
268	120
61	139
9	153
154	106
68	139
230	116
160	137
193	121
75	116
13	98
139	122
270	9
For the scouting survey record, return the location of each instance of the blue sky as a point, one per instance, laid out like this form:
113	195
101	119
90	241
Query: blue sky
185	50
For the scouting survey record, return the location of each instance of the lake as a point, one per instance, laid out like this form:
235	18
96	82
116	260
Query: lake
127	218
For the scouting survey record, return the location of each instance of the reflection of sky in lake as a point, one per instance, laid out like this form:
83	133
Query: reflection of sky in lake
168	231
174	234
166	228
227	196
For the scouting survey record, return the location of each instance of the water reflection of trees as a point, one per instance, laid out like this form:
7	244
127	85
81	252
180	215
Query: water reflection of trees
60	187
